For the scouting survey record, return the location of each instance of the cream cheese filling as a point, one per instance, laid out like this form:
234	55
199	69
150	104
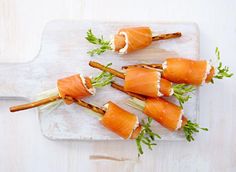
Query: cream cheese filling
179	123
164	65
124	50
171	91
159	94
113	46
135	126
105	107
90	90
208	69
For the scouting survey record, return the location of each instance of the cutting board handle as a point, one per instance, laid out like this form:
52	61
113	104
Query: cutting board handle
13	77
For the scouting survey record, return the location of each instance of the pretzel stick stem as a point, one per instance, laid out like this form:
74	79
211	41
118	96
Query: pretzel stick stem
90	106
107	69
166	36
52	99
34	104
156	66
121	88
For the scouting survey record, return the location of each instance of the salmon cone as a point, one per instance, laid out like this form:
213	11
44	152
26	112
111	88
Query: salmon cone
132	39
180	70
167	114
147	82
121	122
75	86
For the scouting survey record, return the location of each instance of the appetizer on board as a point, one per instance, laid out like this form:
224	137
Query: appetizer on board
125	124
127	40
195	72
75	86
148	82
166	113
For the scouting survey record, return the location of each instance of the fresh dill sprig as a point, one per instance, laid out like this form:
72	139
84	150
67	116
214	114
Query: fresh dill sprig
222	71
146	136
105	78
190	128
104	45
181	91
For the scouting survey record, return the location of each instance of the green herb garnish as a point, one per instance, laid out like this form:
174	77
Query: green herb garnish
222	71
146	136
190	128
105	78
104	45
180	92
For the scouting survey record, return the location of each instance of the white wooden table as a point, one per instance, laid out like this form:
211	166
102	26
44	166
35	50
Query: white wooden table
24	149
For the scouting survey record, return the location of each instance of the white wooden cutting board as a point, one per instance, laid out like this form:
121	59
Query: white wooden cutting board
63	53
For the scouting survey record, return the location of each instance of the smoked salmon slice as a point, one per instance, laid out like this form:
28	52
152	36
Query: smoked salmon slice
182	70
120	121
75	86
147	82
166	113
136	132
132	39
210	75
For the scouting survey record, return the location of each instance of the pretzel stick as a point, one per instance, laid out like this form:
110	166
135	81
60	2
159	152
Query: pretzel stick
34	104
52	99
143	98
156	66
90	106
107	69
121	88
166	36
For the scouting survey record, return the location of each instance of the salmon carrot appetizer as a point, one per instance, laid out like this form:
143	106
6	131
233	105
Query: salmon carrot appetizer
124	124
166	113
75	86
127	40
195	72
148	82
121	122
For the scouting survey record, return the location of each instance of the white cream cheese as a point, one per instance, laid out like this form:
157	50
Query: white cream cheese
208	69
105	107
164	65
113	46
171	91
90	90
179	123
159	94
135	126
124	50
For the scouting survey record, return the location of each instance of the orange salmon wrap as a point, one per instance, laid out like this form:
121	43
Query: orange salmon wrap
180	70
132	39
75	86
147	82
167	114
120	121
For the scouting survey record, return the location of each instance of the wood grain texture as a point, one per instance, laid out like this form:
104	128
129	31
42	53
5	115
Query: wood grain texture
23	148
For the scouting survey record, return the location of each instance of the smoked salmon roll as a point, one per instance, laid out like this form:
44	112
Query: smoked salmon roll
71	88
131	39
188	71
75	86
120	121
126	40
166	113
182	70
147	82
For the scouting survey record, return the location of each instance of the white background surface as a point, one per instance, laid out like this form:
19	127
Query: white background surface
23	148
